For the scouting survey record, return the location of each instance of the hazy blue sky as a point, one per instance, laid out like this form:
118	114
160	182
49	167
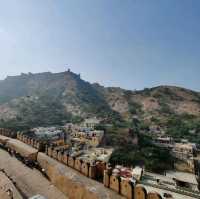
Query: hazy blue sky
128	43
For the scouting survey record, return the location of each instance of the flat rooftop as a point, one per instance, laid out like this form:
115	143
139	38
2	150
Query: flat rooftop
162	192
182	176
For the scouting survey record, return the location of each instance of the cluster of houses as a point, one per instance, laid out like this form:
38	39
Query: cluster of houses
78	147
184	152
93	163
126	181
86	133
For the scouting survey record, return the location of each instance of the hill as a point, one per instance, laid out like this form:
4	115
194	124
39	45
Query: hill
55	98
44	99
49	99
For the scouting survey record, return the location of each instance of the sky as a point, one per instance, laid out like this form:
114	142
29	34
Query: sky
133	44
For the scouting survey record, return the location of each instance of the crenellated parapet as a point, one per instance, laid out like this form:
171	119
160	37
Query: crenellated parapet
121	181
153	195
85	168
77	164
8	133
140	192
127	187
35	143
93	169
89	168
71	182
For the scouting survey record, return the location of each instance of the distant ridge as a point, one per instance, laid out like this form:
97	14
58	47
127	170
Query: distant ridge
54	98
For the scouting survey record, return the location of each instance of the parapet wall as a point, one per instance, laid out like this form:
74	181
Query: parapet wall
8	133
23	149
31	141
84	167
7	186
71	183
127	188
56	165
124	187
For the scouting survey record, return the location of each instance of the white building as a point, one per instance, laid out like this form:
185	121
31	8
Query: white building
183	151
91	122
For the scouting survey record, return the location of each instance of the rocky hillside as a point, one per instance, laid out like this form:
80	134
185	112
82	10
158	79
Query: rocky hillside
55	98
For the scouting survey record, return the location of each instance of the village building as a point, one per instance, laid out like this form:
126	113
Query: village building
90	137
183	180
177	184
167	142
91	122
184	151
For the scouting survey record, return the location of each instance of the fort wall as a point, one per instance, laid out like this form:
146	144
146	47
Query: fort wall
69	180
127	188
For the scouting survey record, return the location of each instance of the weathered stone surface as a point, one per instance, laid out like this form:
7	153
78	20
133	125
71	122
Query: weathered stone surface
114	183
153	195
78	164
71	162
4	195
126	188
6	185
85	169
140	192
23	149
29	181
72	183
3	140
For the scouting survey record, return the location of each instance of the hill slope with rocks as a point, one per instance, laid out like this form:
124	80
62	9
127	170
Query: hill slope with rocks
51	98
46	99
